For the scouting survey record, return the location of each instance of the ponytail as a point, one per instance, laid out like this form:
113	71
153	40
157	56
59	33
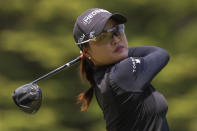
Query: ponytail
85	98
86	71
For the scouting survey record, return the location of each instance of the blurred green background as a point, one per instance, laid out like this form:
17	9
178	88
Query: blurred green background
36	37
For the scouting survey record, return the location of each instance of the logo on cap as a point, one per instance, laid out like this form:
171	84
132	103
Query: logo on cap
92	34
88	18
81	38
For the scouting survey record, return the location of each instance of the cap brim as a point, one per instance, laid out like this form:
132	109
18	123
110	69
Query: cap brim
119	18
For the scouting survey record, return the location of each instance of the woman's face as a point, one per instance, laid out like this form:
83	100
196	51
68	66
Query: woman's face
108	48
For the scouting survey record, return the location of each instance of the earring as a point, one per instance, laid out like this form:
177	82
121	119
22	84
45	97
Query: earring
89	57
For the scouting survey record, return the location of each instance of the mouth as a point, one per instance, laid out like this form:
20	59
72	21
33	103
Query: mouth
118	48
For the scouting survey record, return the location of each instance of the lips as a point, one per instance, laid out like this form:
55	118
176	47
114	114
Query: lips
118	48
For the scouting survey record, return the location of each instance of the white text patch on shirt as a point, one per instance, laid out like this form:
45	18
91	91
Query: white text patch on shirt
134	63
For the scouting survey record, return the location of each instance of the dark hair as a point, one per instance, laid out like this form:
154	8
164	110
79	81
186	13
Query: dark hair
86	71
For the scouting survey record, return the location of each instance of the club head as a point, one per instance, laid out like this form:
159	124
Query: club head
28	98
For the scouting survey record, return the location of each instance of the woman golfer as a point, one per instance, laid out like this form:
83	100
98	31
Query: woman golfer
120	75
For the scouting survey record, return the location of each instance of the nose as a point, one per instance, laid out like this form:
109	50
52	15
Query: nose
115	40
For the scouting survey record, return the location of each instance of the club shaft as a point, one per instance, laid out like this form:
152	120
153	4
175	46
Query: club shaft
58	69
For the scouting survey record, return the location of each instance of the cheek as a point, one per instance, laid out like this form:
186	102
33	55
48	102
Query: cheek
101	51
104	53
124	39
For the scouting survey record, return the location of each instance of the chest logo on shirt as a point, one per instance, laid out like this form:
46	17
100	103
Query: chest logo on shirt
134	63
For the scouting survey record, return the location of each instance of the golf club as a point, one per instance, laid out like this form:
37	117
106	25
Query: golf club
29	96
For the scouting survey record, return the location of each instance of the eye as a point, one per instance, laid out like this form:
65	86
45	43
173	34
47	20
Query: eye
115	33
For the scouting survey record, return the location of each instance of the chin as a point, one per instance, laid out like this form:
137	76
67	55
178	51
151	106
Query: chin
120	56
123	56
124	53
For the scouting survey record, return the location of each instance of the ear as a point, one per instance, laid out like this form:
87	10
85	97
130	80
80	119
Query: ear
86	52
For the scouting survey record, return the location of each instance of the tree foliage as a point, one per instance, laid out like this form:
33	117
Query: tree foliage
36	37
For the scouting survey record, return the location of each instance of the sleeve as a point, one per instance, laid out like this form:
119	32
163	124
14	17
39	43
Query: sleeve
135	72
